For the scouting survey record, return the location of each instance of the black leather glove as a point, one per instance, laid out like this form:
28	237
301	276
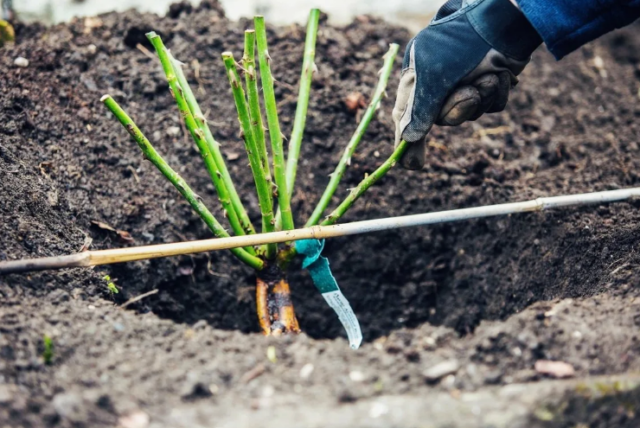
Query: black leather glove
460	67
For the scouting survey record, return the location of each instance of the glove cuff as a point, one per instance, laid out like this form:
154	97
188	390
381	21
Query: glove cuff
503	26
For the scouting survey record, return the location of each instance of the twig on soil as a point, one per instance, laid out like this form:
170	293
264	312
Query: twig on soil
138	298
255	372
275	134
308	69
175	179
337	174
145	51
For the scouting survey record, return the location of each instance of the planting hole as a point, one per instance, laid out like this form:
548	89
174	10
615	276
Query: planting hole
455	275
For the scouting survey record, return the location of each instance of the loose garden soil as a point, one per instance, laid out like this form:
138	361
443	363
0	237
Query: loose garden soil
487	298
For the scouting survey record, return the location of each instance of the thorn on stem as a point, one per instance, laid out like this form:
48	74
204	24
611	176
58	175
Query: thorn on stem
244	70
131	130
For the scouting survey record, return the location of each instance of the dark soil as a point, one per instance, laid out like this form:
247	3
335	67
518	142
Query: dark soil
493	295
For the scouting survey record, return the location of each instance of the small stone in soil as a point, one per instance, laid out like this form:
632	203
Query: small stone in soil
173	131
356	376
441	370
306	370
136	419
557	369
378	409
21	62
355	101
232	156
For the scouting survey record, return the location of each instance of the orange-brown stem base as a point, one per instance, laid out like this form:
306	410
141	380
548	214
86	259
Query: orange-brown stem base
273	301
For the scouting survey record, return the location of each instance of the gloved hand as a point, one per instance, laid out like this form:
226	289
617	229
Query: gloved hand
459	67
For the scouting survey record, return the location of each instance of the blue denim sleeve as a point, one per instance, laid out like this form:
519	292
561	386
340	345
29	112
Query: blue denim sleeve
565	25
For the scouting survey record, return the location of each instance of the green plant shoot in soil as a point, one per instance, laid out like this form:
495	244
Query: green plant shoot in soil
274	180
47	354
111	285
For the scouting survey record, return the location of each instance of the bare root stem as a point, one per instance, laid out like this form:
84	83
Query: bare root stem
273	300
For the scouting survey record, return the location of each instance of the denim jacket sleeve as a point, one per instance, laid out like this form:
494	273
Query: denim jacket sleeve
565	25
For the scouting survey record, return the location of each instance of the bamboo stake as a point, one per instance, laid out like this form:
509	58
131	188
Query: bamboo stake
345	160
214	148
275	135
364	185
196	133
93	258
308	68
263	186
175	179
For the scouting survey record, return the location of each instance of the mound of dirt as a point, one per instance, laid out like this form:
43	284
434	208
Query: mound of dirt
455	315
